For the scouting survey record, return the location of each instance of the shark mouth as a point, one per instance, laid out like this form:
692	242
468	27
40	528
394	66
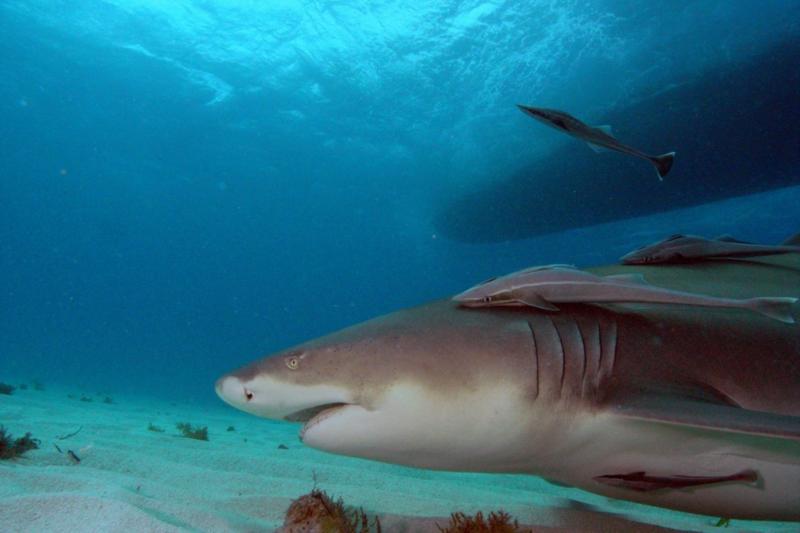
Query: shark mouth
314	415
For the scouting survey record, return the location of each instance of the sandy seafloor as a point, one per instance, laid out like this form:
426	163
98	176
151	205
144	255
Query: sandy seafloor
133	479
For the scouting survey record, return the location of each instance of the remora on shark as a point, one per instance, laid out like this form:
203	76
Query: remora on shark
685	408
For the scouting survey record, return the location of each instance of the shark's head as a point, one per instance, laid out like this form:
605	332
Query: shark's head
417	387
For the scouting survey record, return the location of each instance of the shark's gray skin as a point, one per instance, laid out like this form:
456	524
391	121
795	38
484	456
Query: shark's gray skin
685	248
597	137
684	408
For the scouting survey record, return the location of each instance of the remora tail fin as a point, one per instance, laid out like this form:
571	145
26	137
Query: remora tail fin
777	308
663	163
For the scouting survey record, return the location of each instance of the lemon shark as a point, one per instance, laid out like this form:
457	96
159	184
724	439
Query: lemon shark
693	409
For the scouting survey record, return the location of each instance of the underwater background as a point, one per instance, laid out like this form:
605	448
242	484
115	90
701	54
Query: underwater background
186	186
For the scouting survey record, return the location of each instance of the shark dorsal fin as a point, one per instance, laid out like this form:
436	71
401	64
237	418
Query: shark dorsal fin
794	240
682	410
729	238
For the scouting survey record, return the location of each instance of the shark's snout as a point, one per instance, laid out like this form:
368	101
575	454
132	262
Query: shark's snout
270	396
231	390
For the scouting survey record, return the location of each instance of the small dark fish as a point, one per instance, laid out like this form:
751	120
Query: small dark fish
678	248
68	435
597	137
73	457
641	482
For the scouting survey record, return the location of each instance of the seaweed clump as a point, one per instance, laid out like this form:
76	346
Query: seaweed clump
11	448
154	428
192	432
317	512
496	522
5	388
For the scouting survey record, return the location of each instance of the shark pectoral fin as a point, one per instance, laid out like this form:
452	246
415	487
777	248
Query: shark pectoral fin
535	300
558	483
777	308
641	482
629	278
688	411
596	148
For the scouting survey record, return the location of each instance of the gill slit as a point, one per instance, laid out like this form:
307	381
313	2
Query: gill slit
563	355
613	347
583	355
535	356
600	329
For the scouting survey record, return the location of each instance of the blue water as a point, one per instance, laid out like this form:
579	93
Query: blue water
188	185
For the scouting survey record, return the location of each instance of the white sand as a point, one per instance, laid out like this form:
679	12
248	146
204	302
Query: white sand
132	479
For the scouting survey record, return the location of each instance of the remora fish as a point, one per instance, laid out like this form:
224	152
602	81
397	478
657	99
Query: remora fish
542	287
641	481
678	248
576	397
597	137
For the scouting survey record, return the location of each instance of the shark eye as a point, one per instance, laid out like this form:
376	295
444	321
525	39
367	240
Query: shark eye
292	363
248	394
487	299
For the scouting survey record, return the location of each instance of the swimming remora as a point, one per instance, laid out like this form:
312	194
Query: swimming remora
597	137
683	408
